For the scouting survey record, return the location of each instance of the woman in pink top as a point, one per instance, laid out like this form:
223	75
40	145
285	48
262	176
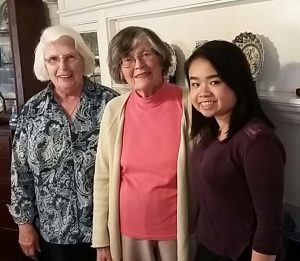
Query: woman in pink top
140	200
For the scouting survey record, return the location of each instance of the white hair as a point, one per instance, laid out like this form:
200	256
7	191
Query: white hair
50	35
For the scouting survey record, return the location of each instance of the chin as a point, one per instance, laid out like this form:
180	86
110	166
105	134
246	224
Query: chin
207	115
142	88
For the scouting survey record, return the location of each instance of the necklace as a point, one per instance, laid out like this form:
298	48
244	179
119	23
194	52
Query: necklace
75	107
66	108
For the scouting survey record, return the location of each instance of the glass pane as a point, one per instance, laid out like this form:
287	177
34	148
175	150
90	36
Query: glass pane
7	80
3	16
92	42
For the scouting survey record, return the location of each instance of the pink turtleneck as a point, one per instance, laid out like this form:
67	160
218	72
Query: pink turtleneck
151	139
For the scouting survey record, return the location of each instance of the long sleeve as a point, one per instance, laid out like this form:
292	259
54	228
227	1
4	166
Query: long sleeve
264	169
22	207
101	187
193	197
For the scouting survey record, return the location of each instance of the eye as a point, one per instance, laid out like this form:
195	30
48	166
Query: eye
52	59
147	54
215	82
194	85
127	60
69	58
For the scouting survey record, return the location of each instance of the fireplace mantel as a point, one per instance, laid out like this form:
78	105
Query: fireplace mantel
281	106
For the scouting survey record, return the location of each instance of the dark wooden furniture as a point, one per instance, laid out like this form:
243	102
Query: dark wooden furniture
26	20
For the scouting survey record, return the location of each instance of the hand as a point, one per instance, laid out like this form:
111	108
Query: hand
29	240
262	257
103	254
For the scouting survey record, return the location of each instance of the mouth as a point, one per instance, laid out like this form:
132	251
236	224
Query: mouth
65	76
206	103
142	75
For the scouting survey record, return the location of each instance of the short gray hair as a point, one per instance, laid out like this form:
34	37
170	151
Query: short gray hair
50	35
126	40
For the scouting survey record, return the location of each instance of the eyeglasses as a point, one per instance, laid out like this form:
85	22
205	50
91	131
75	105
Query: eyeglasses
55	60
129	61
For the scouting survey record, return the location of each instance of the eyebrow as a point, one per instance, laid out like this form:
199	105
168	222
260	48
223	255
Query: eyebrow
208	77
141	51
66	54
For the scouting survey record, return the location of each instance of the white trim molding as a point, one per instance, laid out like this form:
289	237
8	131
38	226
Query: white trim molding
50	1
282	107
52	6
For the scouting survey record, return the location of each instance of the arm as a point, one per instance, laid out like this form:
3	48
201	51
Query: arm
103	254
194	207
101	187
23	205
264	170
28	239
261	257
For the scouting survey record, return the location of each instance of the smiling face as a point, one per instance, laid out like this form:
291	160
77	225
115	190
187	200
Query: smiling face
145	73
209	94
65	65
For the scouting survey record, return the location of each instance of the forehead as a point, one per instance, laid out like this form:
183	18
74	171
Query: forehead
140	45
63	45
201	66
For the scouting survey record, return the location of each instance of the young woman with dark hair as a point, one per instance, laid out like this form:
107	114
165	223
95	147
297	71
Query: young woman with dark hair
237	164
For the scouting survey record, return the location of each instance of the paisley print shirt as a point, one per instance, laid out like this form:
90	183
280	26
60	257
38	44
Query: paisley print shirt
53	164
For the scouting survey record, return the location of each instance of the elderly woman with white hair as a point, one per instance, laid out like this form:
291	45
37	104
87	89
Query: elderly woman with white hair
54	151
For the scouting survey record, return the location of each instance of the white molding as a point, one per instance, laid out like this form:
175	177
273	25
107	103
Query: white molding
106	17
282	107
96	6
280	97
282	113
50	1
165	4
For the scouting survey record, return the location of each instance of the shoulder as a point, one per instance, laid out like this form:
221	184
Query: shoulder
173	88
36	101
39	96
178	93
114	108
118	102
97	90
256	128
258	136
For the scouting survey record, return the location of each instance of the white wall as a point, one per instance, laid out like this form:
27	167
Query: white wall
182	23
277	22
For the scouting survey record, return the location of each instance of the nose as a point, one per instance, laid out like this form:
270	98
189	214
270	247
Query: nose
138	62
62	62
204	91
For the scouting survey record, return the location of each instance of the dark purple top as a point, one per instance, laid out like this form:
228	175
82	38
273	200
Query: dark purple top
237	192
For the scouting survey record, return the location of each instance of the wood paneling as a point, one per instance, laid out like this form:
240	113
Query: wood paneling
26	19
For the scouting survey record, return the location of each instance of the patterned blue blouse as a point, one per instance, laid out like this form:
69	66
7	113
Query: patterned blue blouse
53	164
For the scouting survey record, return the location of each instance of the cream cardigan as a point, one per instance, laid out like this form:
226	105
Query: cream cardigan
106	230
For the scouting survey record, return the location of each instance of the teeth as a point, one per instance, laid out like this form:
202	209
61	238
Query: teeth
206	103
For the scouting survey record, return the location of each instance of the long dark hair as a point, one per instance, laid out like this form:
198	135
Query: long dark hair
233	68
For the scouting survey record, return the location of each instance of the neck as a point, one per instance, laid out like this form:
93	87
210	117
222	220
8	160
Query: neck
64	93
69	103
223	129
149	92
67	95
222	135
